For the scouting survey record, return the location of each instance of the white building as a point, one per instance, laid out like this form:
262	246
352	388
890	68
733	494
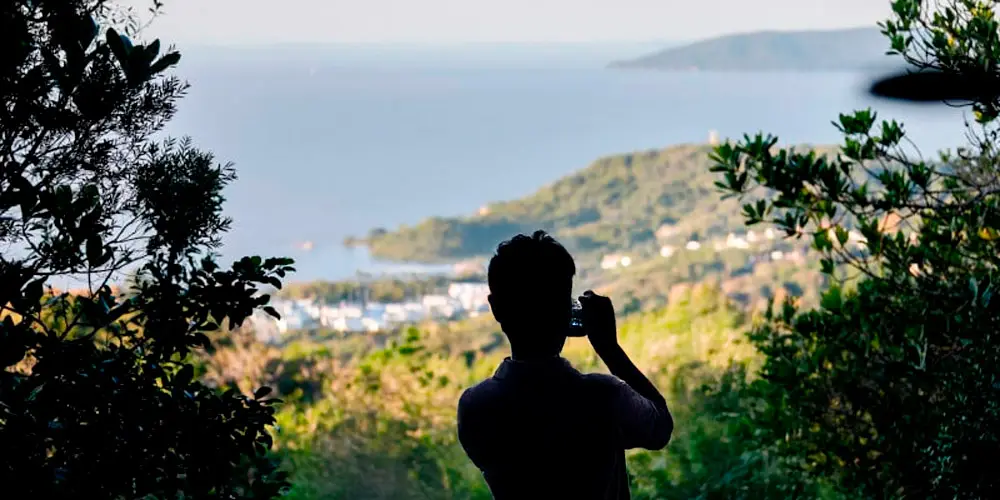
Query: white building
614	260
374	310
348	325
713	137
733	241
372	324
294	320
441	306
470	295
610	261
265	327
429	301
349	310
665	231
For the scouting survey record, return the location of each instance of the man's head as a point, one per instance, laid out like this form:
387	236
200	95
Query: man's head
531	283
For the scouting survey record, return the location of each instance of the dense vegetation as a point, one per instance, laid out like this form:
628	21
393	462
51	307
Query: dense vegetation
835	50
889	389
372	418
97	397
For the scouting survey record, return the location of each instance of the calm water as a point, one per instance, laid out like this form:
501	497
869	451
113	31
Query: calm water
331	148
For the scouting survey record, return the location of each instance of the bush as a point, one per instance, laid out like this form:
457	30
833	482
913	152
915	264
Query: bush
97	399
889	388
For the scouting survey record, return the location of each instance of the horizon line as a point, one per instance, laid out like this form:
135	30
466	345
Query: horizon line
417	44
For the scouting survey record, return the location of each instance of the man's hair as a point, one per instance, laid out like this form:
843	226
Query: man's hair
525	263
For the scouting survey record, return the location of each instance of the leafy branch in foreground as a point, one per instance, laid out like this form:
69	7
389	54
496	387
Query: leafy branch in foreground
97	397
890	387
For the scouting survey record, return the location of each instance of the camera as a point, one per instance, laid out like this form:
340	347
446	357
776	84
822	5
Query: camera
576	320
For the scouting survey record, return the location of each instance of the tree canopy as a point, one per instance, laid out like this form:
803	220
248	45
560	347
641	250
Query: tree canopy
890	387
97	398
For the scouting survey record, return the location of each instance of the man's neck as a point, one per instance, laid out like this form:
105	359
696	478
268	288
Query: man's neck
534	358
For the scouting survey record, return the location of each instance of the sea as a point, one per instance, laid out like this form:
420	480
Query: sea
330	142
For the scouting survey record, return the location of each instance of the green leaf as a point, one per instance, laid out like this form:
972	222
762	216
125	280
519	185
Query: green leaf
36	391
153	50
272	312
64	197
95	250
842	235
164	62
33	292
201	340
184	376
832	300
117	44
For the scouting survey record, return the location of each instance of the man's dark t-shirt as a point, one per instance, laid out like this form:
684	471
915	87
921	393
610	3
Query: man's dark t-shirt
542	429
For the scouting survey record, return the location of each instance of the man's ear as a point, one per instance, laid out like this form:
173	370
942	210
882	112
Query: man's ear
495	308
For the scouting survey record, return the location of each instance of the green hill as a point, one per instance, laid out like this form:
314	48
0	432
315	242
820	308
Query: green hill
831	50
617	203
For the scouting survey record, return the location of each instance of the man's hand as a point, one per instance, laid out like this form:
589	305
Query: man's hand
599	321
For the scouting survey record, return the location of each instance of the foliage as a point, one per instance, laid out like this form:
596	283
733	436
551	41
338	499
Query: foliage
384	429
380	423
96	398
889	387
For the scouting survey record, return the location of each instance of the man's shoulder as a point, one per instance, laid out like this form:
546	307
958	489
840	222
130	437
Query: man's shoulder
478	394
603	381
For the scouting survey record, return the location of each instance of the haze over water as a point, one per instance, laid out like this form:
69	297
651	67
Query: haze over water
331	144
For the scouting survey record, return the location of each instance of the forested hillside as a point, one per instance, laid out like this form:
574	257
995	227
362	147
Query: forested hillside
617	203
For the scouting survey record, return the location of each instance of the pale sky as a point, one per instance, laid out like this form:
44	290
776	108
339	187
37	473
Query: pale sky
450	21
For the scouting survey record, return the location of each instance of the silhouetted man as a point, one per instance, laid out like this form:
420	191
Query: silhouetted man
539	428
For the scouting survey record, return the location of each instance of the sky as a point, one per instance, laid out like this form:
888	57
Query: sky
256	22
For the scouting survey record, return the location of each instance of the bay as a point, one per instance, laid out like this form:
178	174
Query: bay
329	146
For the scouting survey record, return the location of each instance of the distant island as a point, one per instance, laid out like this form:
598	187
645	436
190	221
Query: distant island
851	49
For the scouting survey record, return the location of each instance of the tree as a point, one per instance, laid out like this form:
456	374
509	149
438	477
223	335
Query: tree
890	388
97	399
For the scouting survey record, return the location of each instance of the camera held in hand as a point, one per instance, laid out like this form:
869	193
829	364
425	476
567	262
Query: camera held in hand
576	320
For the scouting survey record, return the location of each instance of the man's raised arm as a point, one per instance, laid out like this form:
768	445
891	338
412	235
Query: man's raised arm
641	411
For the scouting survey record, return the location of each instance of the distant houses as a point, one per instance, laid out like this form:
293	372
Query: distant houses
471	296
760	246
461	299
733	241
665	232
615	260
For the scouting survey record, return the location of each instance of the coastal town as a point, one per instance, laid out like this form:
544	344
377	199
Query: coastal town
468	299
462	299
